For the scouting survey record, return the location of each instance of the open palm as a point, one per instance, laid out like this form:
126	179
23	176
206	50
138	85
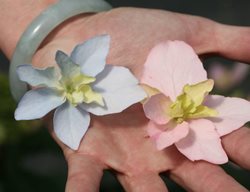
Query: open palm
119	142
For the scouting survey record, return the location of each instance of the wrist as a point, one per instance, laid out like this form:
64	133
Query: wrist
15	18
40	28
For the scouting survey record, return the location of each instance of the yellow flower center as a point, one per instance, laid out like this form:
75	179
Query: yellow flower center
78	90
188	105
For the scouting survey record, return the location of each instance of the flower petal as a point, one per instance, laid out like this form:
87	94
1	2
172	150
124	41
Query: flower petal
233	112
156	109
150	91
37	103
202	143
154	130
197	92
172	65
91	96
37	77
165	136
71	124
91	55
69	69
119	89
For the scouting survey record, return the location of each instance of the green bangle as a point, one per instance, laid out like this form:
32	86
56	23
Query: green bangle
40	28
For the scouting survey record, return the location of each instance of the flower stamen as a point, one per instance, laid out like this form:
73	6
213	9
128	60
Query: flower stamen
188	105
78	90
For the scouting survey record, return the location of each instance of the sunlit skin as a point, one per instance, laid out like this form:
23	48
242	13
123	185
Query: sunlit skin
119	142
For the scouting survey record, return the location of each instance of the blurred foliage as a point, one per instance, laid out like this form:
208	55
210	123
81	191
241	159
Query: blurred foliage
11	130
29	158
231	78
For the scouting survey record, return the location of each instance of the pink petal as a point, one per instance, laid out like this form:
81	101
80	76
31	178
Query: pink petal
156	109
202	143
164	136
233	112
154	130
170	66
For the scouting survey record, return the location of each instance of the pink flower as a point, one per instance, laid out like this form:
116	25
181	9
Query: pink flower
181	112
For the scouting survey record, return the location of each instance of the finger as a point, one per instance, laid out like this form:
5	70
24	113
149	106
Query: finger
146	182
233	42
209	37
84	173
237	146
204	177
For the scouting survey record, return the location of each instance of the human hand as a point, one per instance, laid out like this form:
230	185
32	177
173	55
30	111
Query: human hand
119	142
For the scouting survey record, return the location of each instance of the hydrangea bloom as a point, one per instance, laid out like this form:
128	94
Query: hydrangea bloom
182	112
81	85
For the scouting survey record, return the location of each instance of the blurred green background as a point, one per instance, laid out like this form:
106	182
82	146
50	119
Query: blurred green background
31	161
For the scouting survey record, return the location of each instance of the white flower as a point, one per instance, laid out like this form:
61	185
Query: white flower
82	85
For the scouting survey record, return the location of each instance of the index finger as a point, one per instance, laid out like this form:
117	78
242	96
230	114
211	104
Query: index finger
84	173
237	146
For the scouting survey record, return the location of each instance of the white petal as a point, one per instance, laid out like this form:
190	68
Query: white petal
233	112
71	124
202	143
113	78
36	77
37	103
119	89
68	67
116	102
91	55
